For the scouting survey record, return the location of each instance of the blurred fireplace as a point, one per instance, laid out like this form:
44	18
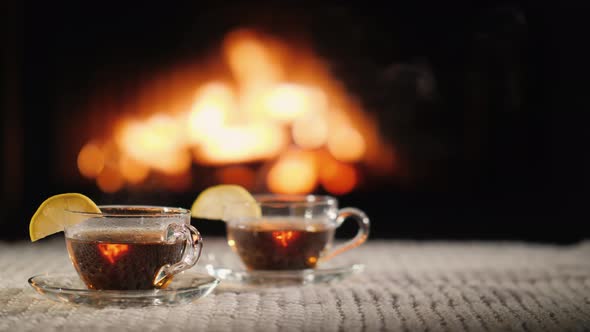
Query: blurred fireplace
438	116
261	111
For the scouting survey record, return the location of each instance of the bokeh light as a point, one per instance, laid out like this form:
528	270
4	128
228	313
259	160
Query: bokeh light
133	171
110	180
310	131
91	160
346	144
213	104
337	177
294	173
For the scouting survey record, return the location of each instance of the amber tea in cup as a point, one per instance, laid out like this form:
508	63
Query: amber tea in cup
290	232
132	248
280	244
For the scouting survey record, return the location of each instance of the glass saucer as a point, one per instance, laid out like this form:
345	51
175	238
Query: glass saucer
231	270
184	288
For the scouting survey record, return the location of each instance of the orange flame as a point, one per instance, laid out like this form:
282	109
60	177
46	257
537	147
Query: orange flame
274	97
242	143
286	102
310	131
252	59
213	104
112	251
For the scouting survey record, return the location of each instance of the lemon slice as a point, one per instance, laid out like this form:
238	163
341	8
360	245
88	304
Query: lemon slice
212	202
51	217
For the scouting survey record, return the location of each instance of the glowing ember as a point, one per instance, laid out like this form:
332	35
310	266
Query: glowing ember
112	251
275	97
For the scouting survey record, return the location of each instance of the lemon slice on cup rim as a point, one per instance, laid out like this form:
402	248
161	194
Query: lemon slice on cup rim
52	217
212	202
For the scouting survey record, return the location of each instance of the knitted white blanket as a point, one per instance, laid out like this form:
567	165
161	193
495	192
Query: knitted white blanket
407	286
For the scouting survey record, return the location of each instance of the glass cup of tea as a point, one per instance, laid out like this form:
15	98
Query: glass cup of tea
132	247
289	232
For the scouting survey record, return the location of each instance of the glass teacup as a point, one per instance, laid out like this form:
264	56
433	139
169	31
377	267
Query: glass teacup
290	232
132	247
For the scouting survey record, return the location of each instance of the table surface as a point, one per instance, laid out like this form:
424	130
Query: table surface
407	286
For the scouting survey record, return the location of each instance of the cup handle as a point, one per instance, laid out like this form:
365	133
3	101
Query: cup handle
191	252
361	236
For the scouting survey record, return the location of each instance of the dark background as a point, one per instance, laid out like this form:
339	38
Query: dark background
486	104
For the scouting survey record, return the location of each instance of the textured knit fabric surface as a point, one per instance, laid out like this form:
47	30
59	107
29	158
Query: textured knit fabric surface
407	286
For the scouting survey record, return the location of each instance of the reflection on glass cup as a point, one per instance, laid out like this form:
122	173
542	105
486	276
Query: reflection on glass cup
289	232
132	247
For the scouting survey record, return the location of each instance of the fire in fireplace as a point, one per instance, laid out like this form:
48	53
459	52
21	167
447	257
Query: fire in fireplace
263	112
